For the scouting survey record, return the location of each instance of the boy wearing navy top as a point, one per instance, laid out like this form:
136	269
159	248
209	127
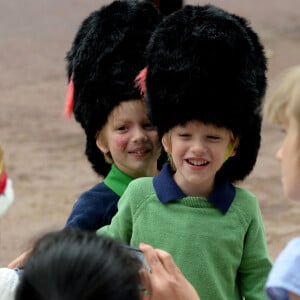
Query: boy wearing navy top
106	55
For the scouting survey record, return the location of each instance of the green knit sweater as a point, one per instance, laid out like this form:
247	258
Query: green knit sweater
224	256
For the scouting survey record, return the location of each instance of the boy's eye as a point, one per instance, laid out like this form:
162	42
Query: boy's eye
213	137
184	135
121	128
148	126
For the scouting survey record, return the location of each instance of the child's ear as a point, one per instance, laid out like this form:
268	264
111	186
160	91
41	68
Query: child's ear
166	142
235	146
231	149
101	143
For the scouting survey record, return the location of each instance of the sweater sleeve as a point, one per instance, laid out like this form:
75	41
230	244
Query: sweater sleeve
121	224
130	203
256	263
284	276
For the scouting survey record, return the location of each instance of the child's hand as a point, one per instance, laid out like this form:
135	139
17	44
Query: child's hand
165	281
293	296
19	261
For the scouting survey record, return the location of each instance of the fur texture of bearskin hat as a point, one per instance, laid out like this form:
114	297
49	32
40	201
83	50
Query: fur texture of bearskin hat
168	6
209	65
107	53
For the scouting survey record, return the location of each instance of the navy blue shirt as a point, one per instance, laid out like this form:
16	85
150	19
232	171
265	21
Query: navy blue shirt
96	206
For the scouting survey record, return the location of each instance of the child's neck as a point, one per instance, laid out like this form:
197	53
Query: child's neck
147	173
201	189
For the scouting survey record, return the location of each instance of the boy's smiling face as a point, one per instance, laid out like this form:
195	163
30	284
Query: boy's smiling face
130	139
198	151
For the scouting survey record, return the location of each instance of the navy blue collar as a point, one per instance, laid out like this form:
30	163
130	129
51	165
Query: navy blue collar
167	190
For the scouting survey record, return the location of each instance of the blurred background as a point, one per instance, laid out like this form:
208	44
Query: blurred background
44	152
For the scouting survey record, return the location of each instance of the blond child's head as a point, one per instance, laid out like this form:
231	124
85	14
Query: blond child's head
197	152
282	108
283	103
207	65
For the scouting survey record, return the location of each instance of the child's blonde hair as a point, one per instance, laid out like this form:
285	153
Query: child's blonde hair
284	102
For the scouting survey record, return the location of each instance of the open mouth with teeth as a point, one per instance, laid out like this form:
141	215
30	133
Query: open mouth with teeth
139	152
197	163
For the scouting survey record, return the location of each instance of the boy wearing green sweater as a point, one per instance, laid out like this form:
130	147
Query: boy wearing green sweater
204	84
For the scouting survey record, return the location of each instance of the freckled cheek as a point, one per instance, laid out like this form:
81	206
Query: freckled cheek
154	138
120	142
178	153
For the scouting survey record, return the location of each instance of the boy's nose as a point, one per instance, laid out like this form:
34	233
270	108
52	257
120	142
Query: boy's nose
140	135
198	147
279	153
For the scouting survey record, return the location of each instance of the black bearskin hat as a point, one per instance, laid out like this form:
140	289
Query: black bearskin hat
106	55
207	64
168	6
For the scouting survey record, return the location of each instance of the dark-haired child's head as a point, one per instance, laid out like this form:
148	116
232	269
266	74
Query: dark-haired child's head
77	265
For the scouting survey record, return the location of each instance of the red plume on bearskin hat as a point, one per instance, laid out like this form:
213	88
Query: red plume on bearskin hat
107	53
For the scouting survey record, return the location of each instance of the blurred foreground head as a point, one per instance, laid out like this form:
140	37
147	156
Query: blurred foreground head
283	103
77	265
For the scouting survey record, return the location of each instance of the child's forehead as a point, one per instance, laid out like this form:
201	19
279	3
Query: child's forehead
201	125
126	111
128	106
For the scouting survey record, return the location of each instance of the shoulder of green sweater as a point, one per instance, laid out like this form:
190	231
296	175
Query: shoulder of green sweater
246	201
139	189
142	184
245	194
136	194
